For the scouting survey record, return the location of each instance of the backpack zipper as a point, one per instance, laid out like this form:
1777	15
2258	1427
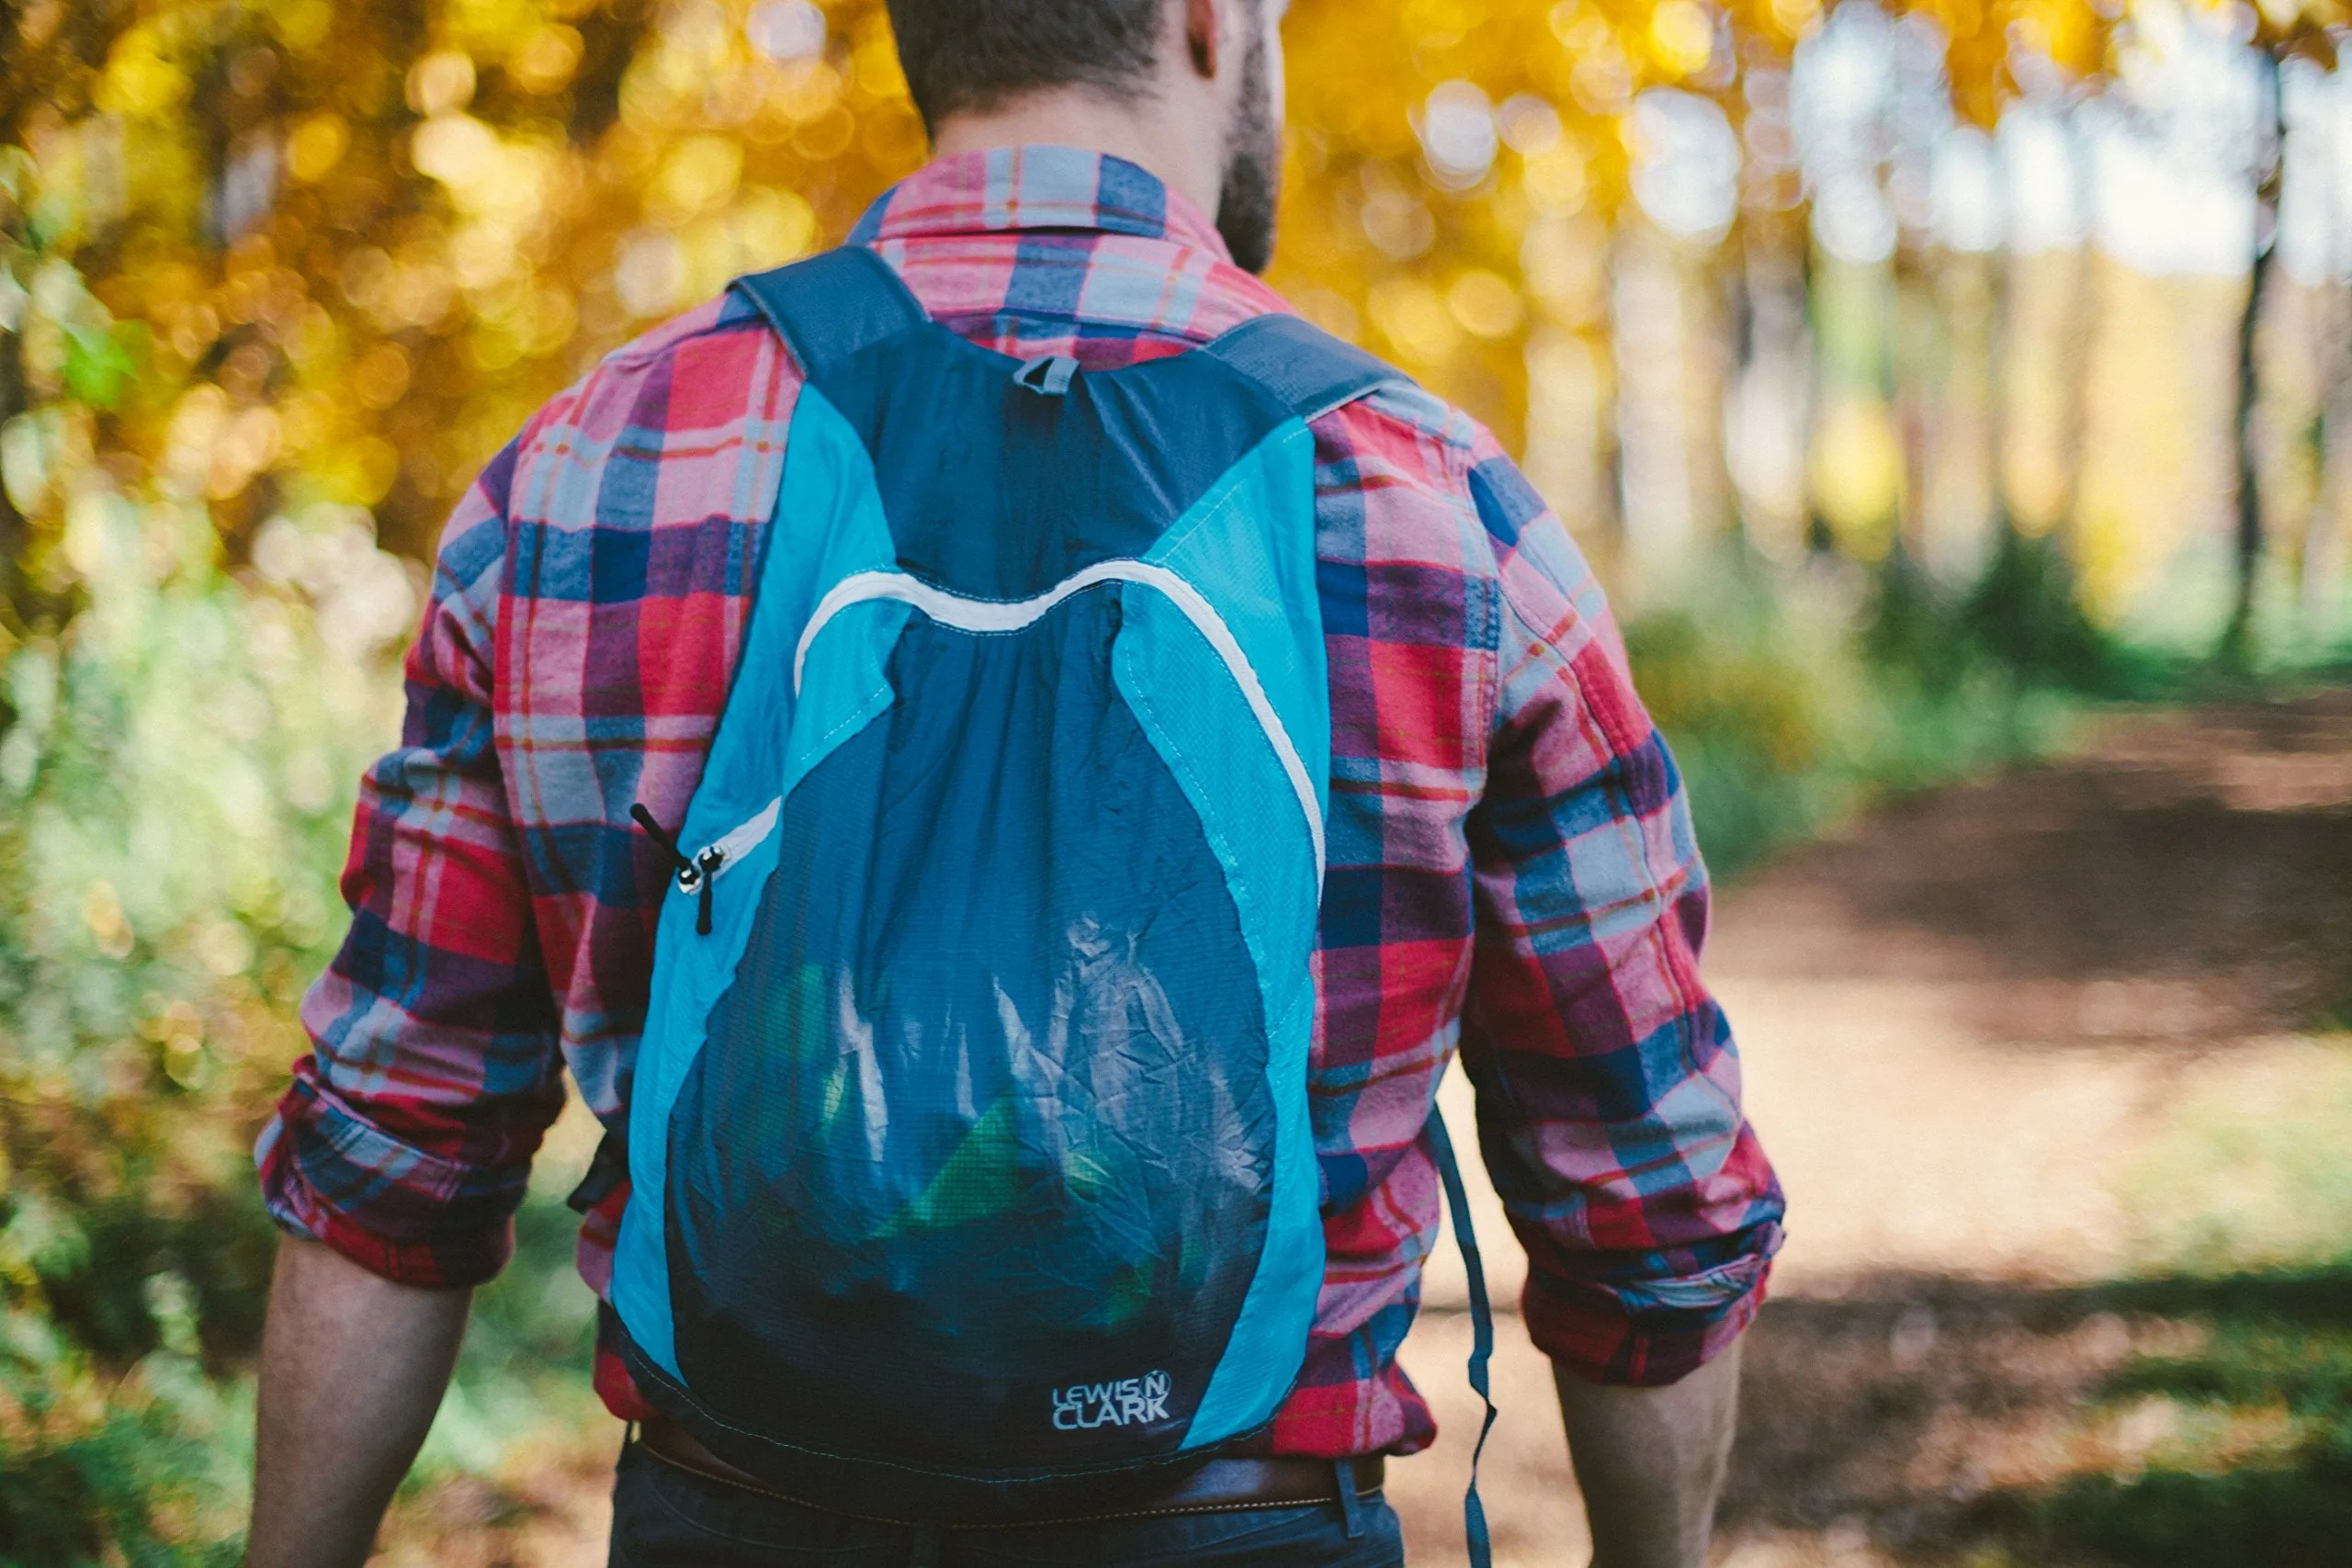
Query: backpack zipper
696	873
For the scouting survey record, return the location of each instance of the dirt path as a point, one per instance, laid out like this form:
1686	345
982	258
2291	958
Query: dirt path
2004	1042
1999	1040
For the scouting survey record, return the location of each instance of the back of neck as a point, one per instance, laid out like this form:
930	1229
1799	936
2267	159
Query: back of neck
1139	131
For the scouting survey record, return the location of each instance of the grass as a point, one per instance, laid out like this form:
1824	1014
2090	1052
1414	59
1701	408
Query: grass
2188	1418
2243	1403
2252	1463
2251	1176
2253	1206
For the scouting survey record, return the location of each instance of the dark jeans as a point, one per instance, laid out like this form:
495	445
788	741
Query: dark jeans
667	1518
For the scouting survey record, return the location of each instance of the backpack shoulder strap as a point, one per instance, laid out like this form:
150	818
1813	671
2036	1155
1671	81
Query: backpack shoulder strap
831	306
1302	364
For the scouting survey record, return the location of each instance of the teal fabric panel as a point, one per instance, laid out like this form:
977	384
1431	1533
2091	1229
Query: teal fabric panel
1180	692
828	525
1249	549
1248	546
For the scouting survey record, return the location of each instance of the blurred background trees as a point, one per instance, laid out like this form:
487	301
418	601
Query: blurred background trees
1868	282
1903	370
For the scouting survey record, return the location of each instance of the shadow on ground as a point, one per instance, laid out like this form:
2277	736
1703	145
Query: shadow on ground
2143	1424
2195	869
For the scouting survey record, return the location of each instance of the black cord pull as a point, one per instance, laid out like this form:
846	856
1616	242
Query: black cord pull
694	877
659	835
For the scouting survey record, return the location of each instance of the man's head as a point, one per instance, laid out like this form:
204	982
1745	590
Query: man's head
1199	82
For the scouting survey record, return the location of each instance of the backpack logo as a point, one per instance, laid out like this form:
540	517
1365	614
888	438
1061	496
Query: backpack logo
1131	1402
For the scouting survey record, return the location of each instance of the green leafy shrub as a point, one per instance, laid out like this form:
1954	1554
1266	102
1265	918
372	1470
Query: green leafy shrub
1794	698
176	771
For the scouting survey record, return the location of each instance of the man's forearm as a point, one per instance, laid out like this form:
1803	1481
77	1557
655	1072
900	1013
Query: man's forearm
352	1369
1649	1462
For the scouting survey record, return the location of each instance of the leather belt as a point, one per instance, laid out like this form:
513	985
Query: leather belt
1217	1486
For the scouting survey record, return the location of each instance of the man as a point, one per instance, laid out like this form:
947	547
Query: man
1510	867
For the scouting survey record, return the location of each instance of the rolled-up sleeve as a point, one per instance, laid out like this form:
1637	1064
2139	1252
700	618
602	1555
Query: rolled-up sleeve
1609	1085
405	1139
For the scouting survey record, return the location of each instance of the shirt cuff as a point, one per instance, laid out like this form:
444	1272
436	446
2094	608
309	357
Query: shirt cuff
1650	1333
397	1211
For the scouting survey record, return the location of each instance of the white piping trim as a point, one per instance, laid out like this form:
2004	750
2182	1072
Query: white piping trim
742	841
1012	616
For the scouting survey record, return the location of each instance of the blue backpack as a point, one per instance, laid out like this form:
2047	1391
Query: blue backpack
971	1174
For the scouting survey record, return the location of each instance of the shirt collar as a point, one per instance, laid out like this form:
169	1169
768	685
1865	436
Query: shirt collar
1004	188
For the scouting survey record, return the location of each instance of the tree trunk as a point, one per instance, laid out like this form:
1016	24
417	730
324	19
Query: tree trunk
2325	537
2268	165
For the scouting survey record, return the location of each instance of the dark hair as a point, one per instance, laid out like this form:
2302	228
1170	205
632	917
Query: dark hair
975	54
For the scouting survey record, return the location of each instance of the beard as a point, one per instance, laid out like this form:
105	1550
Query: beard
1253	170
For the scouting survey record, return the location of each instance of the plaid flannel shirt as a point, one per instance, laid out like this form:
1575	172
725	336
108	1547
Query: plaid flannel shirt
1511	866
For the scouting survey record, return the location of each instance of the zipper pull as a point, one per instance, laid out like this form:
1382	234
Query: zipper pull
706	873
694	877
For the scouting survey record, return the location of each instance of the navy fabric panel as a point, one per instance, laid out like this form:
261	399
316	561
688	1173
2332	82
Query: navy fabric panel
831	306
983	1117
1016	490
1311	371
